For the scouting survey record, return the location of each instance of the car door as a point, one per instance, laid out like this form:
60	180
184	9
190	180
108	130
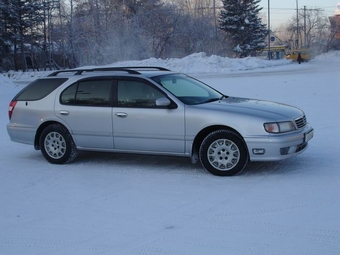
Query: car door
140	125
86	108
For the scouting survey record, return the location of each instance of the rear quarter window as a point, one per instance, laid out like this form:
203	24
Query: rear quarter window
39	89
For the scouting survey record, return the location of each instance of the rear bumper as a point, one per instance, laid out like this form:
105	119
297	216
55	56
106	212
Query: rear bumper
21	134
280	146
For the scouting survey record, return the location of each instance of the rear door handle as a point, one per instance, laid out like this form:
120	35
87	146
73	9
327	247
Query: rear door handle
64	112
121	114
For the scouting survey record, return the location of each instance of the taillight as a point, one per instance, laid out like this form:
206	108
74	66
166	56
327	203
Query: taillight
11	109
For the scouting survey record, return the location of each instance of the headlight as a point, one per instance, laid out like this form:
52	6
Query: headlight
279	127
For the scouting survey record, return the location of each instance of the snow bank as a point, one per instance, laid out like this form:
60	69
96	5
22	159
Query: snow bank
194	63
6	83
333	56
201	63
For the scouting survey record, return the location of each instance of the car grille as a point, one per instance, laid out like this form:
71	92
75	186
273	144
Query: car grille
301	122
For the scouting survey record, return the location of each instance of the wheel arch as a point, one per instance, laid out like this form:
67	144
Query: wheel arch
40	129
204	132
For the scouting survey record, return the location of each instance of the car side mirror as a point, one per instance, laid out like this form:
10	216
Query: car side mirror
163	101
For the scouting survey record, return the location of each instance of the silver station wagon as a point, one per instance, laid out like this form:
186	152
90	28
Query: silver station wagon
152	110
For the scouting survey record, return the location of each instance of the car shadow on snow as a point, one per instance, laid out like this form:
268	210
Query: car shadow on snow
118	161
131	162
183	164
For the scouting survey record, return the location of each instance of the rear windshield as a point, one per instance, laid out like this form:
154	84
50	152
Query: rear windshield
39	89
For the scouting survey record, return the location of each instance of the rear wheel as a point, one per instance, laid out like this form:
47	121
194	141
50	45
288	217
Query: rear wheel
223	153
57	145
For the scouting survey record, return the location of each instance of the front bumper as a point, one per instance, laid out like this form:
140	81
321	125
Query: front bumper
279	146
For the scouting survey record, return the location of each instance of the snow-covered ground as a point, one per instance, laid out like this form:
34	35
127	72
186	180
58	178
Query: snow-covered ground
147	205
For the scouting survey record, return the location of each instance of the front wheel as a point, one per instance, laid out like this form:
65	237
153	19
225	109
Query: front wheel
57	145
223	153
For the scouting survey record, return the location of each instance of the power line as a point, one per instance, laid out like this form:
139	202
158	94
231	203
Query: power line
292	9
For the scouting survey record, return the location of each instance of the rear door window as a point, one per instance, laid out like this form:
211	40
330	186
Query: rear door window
88	93
39	89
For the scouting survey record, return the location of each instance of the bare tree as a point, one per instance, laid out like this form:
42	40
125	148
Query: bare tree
96	32
334	38
313	29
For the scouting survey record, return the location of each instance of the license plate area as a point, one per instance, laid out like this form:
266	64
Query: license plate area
309	135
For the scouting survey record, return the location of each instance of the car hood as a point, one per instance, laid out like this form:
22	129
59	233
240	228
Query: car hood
255	107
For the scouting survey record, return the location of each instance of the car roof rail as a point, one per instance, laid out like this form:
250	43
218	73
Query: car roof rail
128	69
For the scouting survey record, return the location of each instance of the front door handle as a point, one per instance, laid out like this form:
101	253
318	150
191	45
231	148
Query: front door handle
121	114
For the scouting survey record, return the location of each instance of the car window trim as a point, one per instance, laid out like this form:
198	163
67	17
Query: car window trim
106	78
151	83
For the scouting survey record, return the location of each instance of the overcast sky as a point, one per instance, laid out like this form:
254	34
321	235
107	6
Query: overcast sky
282	10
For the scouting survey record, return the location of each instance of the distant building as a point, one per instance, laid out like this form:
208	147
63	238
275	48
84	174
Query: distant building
335	22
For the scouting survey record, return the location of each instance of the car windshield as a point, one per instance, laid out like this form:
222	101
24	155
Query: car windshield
187	89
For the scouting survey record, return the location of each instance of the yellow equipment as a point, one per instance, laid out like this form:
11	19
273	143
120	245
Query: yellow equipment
293	54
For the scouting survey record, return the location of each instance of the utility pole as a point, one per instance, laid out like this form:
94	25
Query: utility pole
215	25
269	53
297	24
305	26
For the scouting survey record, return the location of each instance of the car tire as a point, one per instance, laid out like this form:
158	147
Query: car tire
223	153
57	145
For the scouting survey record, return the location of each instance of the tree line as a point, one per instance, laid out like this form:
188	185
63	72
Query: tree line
56	34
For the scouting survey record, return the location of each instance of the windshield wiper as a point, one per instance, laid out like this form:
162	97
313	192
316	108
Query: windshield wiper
213	99
210	100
